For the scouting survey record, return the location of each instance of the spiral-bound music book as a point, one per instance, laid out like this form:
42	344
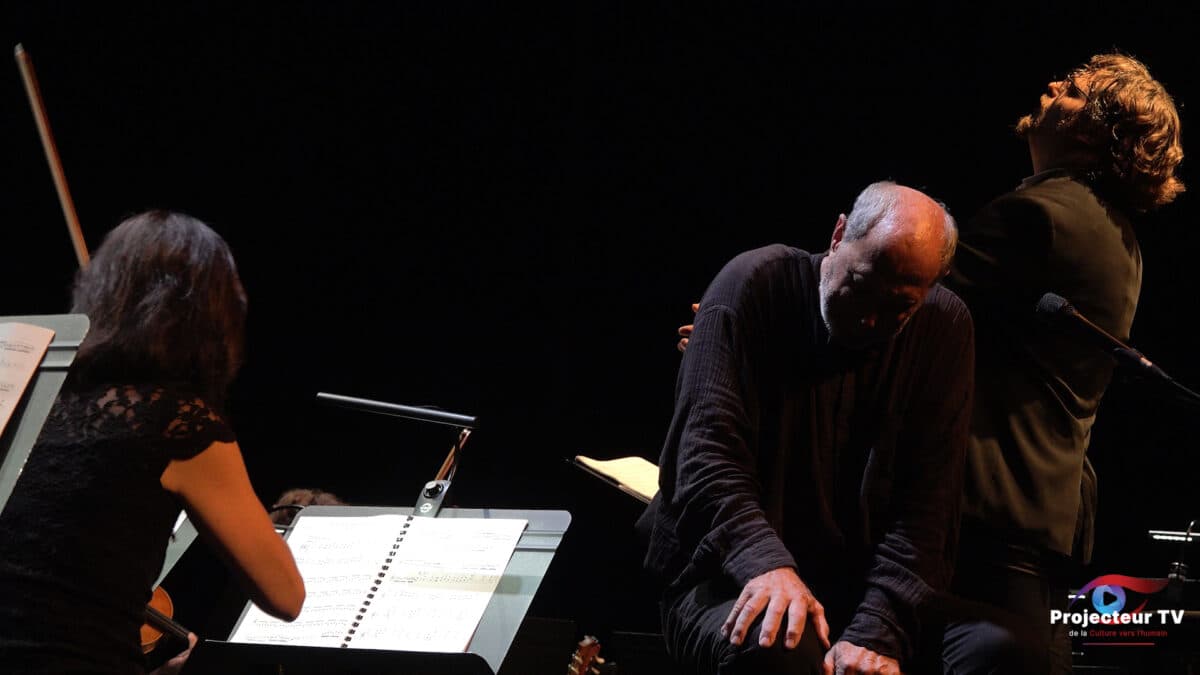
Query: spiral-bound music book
390	582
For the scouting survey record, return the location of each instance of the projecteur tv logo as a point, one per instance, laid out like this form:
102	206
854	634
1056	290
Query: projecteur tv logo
1112	610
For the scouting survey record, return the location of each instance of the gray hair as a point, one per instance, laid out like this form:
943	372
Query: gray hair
876	201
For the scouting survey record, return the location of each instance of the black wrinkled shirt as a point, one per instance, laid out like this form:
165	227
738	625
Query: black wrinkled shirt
786	451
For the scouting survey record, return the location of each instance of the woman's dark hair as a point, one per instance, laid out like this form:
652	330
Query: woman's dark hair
165	304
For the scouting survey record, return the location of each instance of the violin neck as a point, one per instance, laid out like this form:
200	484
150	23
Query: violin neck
166	624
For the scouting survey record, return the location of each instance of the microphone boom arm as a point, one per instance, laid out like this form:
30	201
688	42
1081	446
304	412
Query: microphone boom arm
1056	307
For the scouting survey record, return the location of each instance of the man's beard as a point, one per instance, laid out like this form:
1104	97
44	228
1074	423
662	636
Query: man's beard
1031	121
824	302
1040	122
1025	125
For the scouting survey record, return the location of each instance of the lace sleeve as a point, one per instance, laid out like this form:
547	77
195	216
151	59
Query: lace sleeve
191	424
172	421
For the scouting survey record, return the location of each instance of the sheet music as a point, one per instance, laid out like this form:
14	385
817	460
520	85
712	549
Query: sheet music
431	597
22	347
337	557
434	595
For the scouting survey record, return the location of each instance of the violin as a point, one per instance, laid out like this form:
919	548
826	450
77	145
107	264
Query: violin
159	623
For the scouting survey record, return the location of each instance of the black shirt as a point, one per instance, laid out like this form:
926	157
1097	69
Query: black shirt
84	535
787	451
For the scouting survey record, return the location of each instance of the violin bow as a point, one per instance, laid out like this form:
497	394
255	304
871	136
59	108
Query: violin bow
25	65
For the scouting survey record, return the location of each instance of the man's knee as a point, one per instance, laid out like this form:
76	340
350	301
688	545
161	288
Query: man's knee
803	659
983	648
692	629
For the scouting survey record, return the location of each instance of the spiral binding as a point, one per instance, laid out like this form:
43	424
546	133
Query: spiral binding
362	611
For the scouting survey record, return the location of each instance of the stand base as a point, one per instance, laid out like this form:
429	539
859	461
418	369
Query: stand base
226	658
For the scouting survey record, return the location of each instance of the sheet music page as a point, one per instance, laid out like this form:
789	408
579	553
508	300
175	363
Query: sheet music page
338	558
439	585
22	347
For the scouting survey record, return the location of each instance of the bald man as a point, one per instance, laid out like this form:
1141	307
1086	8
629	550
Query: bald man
811	476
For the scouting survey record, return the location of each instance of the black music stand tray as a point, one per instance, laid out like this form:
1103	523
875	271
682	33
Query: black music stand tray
486	651
29	416
215	656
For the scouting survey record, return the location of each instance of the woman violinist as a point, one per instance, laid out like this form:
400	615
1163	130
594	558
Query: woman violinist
136	434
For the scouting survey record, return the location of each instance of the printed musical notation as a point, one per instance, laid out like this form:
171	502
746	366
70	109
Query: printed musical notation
22	347
390	582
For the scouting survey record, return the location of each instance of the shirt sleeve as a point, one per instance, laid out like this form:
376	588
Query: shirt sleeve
189	424
710	496
914	559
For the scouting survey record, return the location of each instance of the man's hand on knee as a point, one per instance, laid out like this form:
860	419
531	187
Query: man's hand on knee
779	592
848	659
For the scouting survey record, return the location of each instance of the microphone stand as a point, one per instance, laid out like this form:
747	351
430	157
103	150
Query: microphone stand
1185	396
429	500
1138	365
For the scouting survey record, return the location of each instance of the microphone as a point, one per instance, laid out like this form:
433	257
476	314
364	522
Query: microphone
1057	308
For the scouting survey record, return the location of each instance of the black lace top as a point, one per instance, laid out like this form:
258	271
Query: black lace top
85	532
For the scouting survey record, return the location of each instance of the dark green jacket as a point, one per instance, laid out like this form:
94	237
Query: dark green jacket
1038	388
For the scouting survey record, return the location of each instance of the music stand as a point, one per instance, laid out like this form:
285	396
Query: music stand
490	644
29	416
501	618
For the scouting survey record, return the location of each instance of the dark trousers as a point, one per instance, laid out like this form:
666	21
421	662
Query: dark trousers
692	623
1014	587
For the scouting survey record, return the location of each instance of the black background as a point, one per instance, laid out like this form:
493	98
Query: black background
505	209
